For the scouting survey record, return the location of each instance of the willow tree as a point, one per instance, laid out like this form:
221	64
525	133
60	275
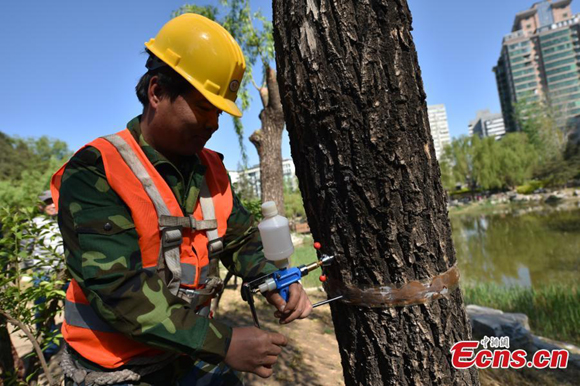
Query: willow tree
356	115
254	34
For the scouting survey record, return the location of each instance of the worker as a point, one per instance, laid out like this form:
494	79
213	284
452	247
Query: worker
145	215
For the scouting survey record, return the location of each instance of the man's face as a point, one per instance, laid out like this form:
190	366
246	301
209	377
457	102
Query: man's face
188	122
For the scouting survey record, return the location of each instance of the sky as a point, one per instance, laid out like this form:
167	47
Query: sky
69	68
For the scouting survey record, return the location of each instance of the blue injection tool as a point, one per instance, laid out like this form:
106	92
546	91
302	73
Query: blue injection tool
281	281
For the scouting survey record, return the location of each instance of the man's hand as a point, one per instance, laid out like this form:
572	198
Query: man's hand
298	306
254	350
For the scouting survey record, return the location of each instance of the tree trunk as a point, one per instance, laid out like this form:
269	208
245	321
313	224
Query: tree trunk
9	360
268	143
6	358
357	119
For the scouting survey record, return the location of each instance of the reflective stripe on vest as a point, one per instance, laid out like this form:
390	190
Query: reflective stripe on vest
169	253
85	331
83	315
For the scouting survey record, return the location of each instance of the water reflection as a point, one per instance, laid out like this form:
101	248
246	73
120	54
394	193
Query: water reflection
526	247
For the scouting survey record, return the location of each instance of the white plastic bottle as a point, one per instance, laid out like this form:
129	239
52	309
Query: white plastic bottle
275	232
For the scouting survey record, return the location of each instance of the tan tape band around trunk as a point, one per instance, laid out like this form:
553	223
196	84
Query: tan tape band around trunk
412	293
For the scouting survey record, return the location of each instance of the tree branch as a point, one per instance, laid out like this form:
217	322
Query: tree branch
35	344
255	84
256	139
273	89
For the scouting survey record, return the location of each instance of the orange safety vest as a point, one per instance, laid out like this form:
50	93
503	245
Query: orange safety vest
82	328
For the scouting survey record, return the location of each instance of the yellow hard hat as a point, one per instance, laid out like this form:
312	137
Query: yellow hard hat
206	55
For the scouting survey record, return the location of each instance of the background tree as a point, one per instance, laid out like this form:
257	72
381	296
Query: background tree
357	118
552	138
544	126
446	165
459	157
257	45
294	207
517	159
26	166
486	166
14	155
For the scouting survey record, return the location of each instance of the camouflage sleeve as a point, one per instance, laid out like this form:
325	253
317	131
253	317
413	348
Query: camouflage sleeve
243	246
106	262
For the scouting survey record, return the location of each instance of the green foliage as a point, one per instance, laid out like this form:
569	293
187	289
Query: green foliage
517	159
530	187
254	34
558	170
208	11
447	177
486	163
489	164
554	311
293	204
14	155
544	127
306	254
461	192
549	133
25	255
26	166
540	151
459	158
254	207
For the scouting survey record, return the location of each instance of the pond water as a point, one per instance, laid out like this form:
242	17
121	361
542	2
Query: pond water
530	247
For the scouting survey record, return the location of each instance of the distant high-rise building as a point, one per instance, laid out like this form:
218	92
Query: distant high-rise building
439	127
487	124
252	177
539	61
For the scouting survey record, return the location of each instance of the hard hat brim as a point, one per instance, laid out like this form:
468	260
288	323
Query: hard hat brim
220	102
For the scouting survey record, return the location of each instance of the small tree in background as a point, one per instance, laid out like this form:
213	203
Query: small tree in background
486	165
544	126
517	159
31	309
293	200
458	161
446	165
26	166
551	136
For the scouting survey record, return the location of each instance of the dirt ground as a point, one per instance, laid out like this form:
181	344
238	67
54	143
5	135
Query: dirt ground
312	358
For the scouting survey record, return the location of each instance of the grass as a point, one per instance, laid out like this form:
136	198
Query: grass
306	254
553	311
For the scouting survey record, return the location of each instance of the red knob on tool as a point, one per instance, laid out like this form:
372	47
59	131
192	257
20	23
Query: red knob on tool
322	278
317	245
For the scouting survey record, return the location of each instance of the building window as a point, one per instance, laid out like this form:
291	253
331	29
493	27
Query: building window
564	15
528	26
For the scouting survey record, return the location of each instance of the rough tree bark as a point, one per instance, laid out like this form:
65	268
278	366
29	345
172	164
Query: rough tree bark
357	119
268	142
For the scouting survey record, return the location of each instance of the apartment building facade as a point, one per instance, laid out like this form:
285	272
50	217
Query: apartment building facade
539	61
252	176
487	124
439	127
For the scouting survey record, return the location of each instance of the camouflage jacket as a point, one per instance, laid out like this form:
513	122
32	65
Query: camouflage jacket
107	263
